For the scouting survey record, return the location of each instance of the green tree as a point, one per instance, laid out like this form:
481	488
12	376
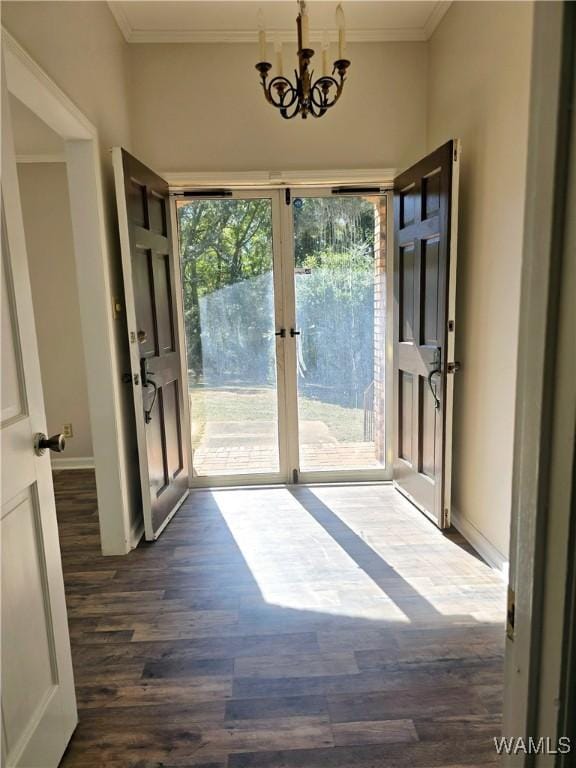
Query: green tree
221	243
331	224
226	242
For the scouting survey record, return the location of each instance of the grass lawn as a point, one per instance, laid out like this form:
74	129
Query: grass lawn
251	404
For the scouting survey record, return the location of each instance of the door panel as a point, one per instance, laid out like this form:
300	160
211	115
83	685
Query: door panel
38	700
233	319
339	278
150	274
424	289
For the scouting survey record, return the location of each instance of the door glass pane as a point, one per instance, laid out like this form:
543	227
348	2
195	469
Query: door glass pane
227	279
340	283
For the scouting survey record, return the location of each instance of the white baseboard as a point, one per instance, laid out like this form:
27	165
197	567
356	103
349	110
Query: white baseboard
480	543
81	462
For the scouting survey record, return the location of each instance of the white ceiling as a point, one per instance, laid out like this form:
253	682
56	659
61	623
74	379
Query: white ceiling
235	21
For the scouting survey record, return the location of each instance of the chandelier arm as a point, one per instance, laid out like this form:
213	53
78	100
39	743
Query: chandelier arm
286	94
315	110
289	112
319	93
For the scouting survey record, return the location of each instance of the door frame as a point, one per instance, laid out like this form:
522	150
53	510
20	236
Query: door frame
543	519
283	235
35	89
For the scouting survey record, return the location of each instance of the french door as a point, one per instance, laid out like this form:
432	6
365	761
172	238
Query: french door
277	339
285	314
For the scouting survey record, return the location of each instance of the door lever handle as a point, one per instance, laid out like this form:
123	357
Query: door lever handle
148	381
432	388
281	333
294	332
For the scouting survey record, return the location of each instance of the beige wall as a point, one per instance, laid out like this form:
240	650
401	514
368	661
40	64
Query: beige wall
478	92
31	135
46	211
201	108
79	45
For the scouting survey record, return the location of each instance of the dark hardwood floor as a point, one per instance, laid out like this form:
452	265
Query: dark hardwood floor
314	627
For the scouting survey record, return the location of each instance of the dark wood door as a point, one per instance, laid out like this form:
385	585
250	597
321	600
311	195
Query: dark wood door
424	298
150	279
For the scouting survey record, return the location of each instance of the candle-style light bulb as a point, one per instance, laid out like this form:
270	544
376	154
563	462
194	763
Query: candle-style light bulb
305	25
341	24
262	35
325	50
278	50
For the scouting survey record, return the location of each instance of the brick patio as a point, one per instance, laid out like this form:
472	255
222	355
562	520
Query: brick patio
239	447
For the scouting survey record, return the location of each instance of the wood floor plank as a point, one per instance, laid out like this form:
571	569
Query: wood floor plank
373	732
271	734
275	707
458	727
472	753
143	694
302	665
408	702
189	668
392	677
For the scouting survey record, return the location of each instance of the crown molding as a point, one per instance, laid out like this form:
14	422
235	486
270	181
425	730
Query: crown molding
211	36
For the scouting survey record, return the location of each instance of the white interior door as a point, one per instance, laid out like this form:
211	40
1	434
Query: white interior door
38	700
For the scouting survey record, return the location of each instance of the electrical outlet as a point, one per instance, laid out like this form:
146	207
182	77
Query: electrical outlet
68	431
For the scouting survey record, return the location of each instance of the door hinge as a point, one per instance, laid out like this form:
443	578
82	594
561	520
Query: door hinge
287	196
455	153
510	614
451	326
295	478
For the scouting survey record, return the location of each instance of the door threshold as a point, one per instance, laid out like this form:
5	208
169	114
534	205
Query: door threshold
276	486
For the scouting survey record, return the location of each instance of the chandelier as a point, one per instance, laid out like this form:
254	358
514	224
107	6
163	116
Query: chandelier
307	96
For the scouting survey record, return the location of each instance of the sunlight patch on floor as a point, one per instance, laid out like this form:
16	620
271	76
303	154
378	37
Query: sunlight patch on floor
319	576
330	550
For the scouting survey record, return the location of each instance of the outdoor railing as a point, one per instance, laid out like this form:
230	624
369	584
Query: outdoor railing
369	413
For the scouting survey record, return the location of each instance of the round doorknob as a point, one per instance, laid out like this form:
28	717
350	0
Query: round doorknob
56	443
